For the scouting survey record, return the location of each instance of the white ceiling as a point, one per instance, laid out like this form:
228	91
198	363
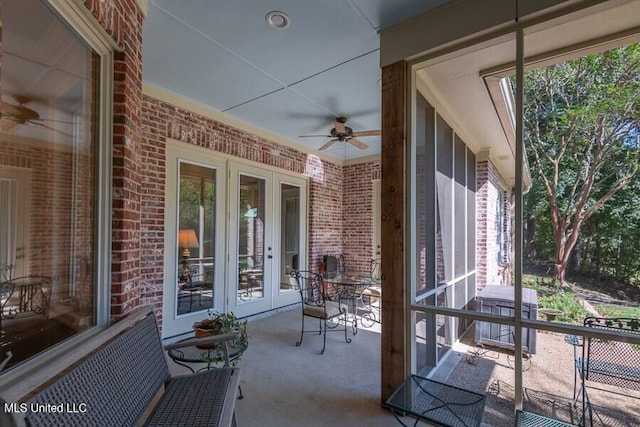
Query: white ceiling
223	55
290	82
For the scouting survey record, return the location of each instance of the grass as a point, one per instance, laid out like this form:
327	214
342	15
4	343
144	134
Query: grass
551	295
615	310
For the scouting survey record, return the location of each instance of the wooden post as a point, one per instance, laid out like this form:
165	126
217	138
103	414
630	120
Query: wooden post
393	210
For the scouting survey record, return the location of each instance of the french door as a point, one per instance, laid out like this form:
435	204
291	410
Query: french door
194	238
267	238
233	232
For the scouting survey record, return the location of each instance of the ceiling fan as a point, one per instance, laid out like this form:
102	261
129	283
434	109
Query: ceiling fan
13	115
343	133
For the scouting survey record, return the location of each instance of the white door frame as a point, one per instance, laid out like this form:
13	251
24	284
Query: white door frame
174	324
285	296
225	263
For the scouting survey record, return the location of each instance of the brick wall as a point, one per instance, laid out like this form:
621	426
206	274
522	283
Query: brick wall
327	191
357	216
490	186
50	204
123	19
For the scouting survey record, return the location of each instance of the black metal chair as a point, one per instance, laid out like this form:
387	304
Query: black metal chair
316	305
370	297
333	265
599	361
197	282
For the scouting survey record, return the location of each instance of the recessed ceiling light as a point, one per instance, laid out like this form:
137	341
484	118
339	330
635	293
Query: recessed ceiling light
277	20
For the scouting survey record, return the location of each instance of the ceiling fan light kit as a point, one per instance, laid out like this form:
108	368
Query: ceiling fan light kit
343	133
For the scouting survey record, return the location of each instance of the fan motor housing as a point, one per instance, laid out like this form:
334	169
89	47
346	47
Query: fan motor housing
341	136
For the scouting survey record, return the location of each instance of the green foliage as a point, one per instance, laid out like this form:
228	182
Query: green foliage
565	302
550	295
609	243
582	127
222	323
197	195
612	310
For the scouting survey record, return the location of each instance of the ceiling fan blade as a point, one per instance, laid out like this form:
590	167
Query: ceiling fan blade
327	145
66	122
338	124
367	133
19	112
314	136
359	144
7	124
50	128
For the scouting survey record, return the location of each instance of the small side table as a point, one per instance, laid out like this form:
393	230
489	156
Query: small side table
436	402
194	354
526	419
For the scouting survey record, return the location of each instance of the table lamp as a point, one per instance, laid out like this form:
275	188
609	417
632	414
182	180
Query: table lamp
187	239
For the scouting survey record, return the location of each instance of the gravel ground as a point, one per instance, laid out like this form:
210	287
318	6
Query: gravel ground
547	380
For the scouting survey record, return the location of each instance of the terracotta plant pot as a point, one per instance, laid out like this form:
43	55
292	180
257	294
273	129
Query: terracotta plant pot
204	332
221	323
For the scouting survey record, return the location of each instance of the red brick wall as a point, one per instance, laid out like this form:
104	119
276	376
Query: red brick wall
123	20
357	215
50	205
161	120
490	269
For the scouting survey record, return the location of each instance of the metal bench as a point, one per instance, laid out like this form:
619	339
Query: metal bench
125	381
608	362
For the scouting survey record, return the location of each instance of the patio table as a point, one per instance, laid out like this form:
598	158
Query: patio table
436	402
207	355
349	290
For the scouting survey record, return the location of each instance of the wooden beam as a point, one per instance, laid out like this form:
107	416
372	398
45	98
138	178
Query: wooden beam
393	160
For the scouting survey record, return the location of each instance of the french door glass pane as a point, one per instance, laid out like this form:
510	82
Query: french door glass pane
290	229
196	238
251	236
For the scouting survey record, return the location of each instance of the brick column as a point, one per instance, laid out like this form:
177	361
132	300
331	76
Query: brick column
123	20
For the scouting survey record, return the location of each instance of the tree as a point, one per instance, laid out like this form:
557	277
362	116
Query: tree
582	135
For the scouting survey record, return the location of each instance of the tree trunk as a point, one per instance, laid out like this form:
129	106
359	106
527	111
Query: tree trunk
597	258
530	232
560	272
575	262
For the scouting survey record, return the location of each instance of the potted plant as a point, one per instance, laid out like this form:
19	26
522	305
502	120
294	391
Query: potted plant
221	323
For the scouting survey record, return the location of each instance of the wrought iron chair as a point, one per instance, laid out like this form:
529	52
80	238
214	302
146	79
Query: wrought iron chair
6	273
196	282
333	265
369	298
599	361
316	305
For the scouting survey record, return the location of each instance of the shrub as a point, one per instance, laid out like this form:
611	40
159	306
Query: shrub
565	302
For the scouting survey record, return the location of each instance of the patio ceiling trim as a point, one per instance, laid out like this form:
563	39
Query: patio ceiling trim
478	22
566	53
